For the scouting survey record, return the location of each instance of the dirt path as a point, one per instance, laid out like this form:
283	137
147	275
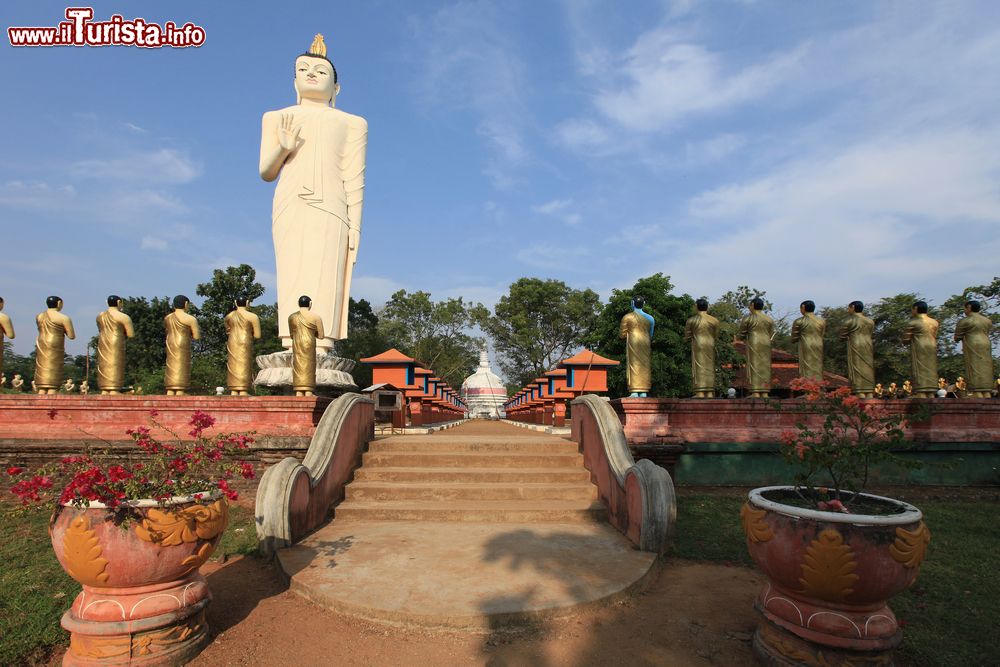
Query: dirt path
691	614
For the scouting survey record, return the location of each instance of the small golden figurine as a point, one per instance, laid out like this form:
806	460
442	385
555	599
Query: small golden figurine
17	382
961	387
892	390
181	329
973	331
242	327
50	347
878	390
69	386
907	388
305	327
6	329
857	331
808	331
84	387
757	329
701	330
921	333
637	329
113	327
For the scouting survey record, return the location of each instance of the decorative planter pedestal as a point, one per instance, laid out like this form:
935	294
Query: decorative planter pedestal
829	577
143	600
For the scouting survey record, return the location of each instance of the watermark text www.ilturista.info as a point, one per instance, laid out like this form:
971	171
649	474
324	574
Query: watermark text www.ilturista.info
81	30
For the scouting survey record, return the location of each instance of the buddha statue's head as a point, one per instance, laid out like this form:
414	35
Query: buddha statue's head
241	302
701	305
114	301
919	307
756	304
315	75
1	303
181	302
54	302
305	302
807	306
856	307
971	306
638	302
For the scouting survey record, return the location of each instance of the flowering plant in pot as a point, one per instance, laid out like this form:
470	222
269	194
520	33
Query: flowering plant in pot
833	555
133	528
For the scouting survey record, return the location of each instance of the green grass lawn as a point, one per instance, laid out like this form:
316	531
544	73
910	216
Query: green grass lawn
34	590
949	615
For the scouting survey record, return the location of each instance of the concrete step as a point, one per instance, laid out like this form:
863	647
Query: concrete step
495	446
471	460
361	490
489	511
472	474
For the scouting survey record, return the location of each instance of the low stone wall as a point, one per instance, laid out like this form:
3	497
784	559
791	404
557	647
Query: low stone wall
735	442
30	434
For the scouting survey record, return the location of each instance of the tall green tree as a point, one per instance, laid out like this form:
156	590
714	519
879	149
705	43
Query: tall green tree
435	333
537	324
671	356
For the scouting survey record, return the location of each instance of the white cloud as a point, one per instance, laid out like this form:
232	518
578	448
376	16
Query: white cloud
469	61
561	209
153	243
152	167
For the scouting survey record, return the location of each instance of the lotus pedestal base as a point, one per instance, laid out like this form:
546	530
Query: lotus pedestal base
163	624
776	646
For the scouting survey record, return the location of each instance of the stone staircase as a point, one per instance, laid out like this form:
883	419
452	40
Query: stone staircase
515	478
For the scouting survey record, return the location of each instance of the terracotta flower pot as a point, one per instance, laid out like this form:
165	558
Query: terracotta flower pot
830	575
143	600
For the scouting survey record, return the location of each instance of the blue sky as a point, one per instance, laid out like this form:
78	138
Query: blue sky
824	150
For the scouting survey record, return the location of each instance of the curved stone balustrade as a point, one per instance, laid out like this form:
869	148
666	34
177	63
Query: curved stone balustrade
295	497
639	496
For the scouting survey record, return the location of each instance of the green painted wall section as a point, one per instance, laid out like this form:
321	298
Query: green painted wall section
760	464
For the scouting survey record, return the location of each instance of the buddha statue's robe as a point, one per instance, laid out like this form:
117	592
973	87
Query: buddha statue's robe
857	331
757	329
317	201
50	350
808	331
635	330
921	333
701	330
111	335
179	333
304	331
974	333
239	349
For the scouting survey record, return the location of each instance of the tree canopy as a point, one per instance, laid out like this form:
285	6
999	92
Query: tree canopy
537	324
435	333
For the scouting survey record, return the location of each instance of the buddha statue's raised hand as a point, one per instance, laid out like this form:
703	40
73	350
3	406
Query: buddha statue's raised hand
288	133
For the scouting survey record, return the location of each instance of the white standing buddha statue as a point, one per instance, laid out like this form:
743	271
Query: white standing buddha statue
317	153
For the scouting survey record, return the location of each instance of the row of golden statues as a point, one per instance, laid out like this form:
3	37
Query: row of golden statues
921	333
757	331
114	327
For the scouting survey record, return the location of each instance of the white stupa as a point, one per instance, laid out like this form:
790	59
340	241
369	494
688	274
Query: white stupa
484	392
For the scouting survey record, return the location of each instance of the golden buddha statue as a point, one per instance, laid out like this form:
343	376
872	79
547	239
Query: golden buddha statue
973	331
701	330
921	333
317	153
50	347
242	328
808	332
6	330
17	382
181	329
637	329
907	388
757	330
305	328
113	327
857	331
